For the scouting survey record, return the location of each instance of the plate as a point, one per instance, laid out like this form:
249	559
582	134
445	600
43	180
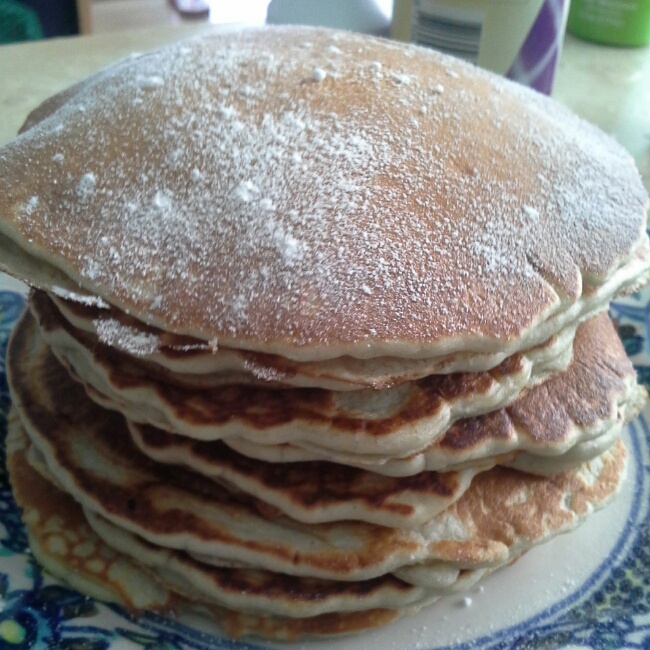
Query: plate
587	589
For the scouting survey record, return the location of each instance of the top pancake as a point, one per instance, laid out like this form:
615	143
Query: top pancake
311	194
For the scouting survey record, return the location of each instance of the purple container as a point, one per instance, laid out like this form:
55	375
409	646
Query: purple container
537	60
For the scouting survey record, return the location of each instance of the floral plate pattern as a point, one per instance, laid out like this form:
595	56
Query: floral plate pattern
609	608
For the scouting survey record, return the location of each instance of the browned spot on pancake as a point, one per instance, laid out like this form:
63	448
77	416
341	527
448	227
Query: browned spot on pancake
278	585
471	553
586	393
469	432
541	506
238	624
312	484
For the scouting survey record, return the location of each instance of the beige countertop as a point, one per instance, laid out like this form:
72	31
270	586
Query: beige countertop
610	87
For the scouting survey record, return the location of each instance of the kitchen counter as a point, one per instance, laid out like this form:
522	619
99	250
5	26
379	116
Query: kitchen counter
610	86
32	72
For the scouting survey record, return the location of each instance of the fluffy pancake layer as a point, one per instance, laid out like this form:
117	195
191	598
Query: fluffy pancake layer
194	363
493	221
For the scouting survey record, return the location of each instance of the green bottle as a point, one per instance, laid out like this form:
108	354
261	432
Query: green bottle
614	22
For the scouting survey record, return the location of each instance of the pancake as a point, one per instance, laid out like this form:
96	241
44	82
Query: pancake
195	363
316	492
494	220
394	421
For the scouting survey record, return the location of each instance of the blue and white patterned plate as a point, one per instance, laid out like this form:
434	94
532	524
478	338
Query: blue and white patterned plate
588	589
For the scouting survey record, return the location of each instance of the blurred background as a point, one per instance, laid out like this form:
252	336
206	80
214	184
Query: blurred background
615	22
33	19
520	39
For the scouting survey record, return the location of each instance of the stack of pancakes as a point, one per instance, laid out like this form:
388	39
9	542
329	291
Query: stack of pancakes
318	331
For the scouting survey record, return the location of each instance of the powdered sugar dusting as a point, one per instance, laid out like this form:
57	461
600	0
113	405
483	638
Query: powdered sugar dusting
83	299
86	186
30	206
265	373
130	340
154	81
291	249
530	212
246	202
401	78
246	191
